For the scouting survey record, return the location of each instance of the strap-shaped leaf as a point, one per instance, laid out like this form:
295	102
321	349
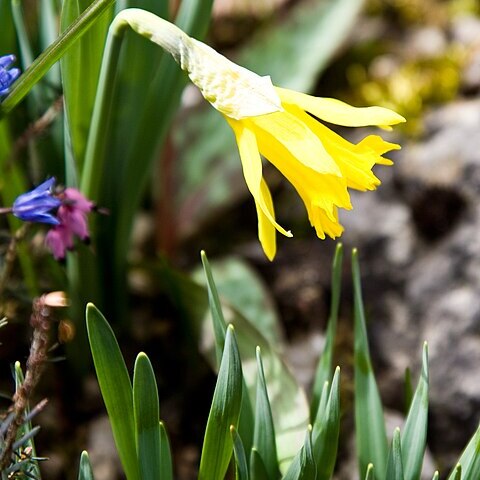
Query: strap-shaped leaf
257	467
241	466
468	466
53	53
246	425
303	466
371	437
264	434
116	388
394	464
147	420
85	471
166	469
370	475
219	325
224	412
414	436
324	368
326	430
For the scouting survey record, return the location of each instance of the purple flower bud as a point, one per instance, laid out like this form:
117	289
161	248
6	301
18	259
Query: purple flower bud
7	76
38	204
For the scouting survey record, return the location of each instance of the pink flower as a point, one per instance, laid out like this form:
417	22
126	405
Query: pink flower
72	217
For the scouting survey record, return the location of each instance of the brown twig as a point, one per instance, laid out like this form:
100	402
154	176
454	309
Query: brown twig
41	323
35	129
11	256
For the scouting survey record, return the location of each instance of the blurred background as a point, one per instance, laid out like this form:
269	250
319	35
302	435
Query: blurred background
418	234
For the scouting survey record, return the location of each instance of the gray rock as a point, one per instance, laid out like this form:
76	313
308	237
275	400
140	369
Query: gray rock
419	242
101	449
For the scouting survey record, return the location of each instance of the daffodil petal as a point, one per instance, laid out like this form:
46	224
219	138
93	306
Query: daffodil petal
252	170
338	112
355	161
298	139
266	230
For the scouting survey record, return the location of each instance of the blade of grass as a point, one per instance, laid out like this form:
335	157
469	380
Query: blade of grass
246	425
147	421
370	475
468	467
241	466
83	61
52	54
326	430
85	471
303	466
166	472
394	463
116	388
219	325
225	410
408	393
371	437
264	433
257	467
324	368
414	436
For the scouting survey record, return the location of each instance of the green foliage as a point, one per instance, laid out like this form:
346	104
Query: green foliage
370	431
254	456
85	471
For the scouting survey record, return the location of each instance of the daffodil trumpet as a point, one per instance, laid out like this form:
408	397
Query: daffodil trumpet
282	125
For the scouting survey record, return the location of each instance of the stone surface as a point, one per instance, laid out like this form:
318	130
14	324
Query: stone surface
101	448
420	250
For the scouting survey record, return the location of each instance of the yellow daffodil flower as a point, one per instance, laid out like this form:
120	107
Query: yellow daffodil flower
282	125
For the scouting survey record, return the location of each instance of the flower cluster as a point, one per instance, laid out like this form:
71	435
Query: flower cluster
65	210
7	75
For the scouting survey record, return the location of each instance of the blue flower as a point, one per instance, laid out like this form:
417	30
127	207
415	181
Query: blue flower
7	76
37	205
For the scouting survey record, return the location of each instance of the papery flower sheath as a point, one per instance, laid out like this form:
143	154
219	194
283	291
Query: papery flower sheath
38	205
7	76
282	125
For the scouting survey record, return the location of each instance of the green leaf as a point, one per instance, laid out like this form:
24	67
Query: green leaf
116	388
219	325
241	466
82	61
324	368
257	467
287	398
414	436
303	466
436	476
85	471
457	473
264	434
371	437
394	463
246	426
326	430
224	412
147	421
408	394
166	469
242	287
468	467
53	53
370	475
